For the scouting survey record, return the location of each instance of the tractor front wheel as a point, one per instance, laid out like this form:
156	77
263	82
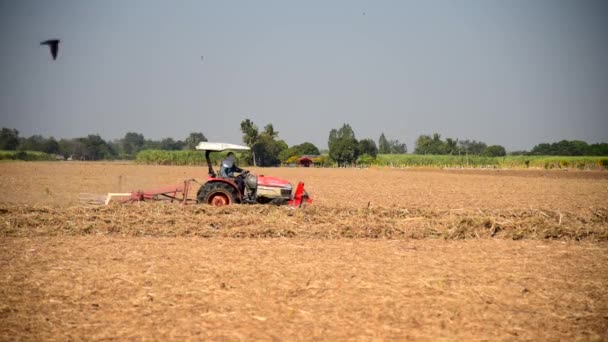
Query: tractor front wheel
217	194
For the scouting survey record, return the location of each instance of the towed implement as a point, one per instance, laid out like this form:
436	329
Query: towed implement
216	190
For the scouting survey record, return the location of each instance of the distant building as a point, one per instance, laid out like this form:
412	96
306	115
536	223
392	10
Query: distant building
306	160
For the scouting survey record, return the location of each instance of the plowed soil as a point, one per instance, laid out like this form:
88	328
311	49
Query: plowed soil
58	184
382	254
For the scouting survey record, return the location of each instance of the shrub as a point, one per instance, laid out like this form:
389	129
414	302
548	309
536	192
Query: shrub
546	162
366	159
26	156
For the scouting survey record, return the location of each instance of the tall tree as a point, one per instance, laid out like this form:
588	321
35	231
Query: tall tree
250	132
50	146
600	149
426	144
171	145
472	147
451	146
346	132
383	145
131	144
423	144
307	148
34	143
344	150
269	131
250	137
344	147
333	136
368	146
9	139
93	147
495	151
396	147
66	147
150	144
193	139
565	148
265	148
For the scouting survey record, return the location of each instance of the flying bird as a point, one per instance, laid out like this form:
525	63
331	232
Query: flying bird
53	46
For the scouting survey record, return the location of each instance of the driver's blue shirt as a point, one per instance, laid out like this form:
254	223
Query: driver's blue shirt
228	168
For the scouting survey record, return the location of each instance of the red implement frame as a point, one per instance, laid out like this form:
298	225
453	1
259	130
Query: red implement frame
300	198
178	193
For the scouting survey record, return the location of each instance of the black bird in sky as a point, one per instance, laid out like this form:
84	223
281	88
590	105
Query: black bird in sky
53	45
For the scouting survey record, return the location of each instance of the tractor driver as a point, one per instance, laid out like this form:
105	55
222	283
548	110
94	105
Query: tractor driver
229	168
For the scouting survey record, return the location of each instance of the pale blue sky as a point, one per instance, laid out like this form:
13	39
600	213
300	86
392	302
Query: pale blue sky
514	73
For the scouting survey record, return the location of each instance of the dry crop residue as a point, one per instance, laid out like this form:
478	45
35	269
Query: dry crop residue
381	254
75	288
257	221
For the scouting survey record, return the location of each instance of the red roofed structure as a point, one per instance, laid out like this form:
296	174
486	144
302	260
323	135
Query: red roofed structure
305	162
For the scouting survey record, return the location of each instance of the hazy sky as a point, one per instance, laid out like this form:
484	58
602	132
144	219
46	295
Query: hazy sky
514	73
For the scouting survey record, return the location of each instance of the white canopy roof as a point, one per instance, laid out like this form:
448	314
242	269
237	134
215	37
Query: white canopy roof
216	146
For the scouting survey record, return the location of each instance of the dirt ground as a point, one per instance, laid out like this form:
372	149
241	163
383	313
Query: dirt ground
285	289
59	183
383	254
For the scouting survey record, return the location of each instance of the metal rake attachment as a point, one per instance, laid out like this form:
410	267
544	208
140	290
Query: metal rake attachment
96	199
177	194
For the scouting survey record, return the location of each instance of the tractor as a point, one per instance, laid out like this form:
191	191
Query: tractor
260	189
216	191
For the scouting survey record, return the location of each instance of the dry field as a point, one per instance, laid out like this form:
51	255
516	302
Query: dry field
381	254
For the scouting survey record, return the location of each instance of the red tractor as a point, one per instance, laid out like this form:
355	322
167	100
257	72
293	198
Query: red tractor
220	191
217	191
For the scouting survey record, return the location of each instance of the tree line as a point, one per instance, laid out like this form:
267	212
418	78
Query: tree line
569	148
267	149
427	144
93	147
344	148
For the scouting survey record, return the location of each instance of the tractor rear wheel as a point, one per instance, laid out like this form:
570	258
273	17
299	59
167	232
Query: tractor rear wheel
217	194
